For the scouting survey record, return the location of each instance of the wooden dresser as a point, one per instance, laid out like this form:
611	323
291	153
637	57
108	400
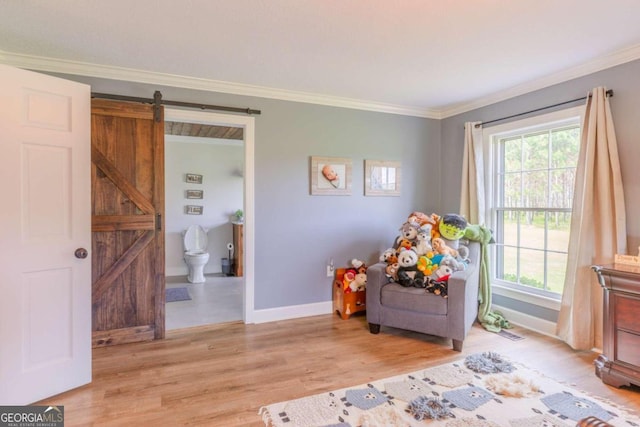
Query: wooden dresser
619	364
238	252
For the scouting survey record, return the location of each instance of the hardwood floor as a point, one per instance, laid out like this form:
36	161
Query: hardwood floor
221	375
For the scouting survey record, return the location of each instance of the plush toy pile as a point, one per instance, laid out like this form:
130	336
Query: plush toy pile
427	252
355	278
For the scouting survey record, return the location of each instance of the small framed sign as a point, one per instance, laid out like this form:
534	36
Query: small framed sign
193	210
193	178
194	194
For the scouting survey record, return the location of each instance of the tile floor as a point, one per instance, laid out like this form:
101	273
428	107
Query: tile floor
217	300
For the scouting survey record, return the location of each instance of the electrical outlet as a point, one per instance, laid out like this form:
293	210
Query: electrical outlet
329	271
330	267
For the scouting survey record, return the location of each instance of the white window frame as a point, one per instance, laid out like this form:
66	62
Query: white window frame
489	134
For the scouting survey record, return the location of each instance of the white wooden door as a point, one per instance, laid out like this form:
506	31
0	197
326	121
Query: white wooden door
45	216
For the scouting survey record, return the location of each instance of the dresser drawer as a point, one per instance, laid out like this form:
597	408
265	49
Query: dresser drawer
626	313
628	348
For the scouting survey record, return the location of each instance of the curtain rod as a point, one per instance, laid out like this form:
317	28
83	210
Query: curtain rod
157	100
608	93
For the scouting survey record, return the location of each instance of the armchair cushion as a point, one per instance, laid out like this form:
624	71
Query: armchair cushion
394	295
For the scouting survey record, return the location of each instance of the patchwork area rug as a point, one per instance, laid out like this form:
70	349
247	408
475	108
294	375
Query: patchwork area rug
177	294
483	389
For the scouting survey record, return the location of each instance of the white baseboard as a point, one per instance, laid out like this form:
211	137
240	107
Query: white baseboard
536	324
292	312
175	271
183	271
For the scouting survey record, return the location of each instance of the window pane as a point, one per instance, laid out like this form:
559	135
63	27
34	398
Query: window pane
508	228
507	266
512	191
534	189
512	154
556	269
532	268
535	149
559	225
562	185
565	145
532	231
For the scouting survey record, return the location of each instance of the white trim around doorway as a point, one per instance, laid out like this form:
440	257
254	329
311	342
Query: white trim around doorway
248	124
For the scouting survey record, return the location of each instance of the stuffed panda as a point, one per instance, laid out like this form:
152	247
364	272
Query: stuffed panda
408	273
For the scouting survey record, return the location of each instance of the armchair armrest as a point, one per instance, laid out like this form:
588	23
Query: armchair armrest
463	294
376	279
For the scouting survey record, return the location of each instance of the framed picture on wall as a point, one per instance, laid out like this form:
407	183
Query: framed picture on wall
382	178
193	210
193	178
330	176
194	194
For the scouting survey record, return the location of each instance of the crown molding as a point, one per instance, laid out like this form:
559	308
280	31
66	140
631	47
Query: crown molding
55	65
611	60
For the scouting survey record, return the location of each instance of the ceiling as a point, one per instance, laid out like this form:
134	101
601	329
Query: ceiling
430	58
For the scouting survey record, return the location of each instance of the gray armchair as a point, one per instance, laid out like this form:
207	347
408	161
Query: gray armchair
414	309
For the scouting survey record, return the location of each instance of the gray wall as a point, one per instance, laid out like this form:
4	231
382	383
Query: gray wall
625	106
297	233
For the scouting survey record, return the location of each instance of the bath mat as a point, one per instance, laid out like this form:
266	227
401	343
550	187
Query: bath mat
177	294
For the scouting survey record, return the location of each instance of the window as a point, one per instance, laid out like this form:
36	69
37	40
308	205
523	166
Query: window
533	164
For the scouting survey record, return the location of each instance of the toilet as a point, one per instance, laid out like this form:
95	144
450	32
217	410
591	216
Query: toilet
195	252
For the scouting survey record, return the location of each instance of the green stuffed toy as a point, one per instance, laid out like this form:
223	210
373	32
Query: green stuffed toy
452	226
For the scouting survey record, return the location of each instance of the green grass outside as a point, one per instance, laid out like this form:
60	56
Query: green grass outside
532	260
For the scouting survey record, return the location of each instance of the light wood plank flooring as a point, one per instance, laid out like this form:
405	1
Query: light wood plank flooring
221	375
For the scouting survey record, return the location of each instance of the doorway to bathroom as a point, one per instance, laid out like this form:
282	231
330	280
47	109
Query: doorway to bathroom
209	182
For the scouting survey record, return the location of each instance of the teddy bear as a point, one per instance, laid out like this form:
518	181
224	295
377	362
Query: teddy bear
408	273
409	230
391	271
359	282
441	247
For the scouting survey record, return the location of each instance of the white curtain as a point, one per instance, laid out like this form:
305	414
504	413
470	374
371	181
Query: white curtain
472	202
598	225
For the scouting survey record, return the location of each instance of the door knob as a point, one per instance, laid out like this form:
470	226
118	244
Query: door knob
81	253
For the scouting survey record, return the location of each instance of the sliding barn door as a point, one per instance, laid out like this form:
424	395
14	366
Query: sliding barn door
127	156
